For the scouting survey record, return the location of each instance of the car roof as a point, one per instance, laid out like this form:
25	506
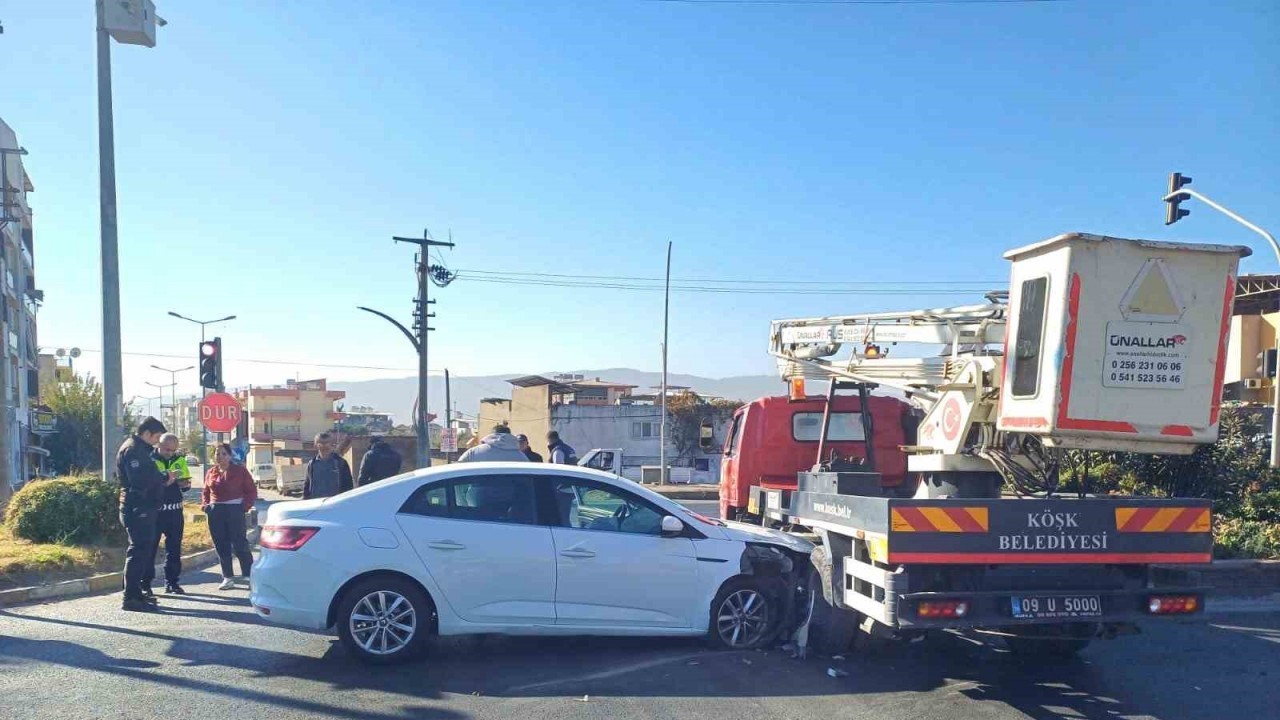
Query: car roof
475	468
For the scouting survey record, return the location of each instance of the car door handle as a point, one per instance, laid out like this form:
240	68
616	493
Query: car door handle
446	545
577	553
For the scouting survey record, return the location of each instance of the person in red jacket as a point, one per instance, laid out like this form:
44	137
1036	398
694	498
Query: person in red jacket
229	492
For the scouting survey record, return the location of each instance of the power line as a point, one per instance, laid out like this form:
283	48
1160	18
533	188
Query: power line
737	281
260	361
726	290
856	2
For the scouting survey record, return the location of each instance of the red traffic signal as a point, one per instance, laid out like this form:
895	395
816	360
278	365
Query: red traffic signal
211	364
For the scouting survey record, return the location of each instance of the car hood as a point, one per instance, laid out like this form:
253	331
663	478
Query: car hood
743	532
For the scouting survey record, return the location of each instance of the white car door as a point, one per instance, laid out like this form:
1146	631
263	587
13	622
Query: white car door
614	567
480	540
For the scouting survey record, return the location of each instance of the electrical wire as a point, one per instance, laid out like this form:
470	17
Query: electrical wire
719	290
738	281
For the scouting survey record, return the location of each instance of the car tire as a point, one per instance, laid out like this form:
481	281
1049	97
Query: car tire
832	629
744	615
371	620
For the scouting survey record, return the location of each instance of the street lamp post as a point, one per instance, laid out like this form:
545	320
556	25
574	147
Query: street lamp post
204	434
173	390
131	25
1177	192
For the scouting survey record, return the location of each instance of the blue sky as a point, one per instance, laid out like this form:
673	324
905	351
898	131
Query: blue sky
267	152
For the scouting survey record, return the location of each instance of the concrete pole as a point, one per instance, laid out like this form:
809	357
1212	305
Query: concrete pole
448	413
424	433
112	374
662	428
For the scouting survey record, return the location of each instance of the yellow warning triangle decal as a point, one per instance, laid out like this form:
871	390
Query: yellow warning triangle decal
1153	297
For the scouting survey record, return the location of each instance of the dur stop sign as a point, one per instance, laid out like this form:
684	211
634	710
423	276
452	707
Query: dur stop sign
219	412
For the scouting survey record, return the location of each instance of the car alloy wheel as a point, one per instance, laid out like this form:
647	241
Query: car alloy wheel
383	622
742	618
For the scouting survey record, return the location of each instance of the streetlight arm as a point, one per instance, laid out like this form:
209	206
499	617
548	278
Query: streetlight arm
1275	247
412	340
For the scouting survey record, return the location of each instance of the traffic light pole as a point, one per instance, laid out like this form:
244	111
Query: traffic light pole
1275	247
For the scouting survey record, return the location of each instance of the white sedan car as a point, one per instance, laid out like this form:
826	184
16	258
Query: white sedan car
519	549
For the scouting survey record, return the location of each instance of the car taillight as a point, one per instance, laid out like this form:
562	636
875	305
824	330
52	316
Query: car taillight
1172	604
943	609
285	537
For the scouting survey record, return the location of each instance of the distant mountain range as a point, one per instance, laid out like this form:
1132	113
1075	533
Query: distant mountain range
396	395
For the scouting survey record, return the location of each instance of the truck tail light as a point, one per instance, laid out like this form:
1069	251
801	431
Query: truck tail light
1172	604
943	609
285	537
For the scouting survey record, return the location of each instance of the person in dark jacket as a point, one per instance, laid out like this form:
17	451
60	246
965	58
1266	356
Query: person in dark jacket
560	451
525	448
169	520
380	462
228	493
142	485
327	473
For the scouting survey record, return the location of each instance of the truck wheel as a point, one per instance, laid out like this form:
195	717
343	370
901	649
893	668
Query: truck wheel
743	615
1074	638
831	629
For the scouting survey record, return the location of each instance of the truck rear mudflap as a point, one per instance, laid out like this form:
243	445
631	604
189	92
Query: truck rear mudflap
1036	531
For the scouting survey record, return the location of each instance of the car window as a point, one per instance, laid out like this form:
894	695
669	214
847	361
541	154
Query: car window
429	500
494	498
588	506
845	427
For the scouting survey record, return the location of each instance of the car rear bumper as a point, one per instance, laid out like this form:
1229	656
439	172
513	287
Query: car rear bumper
293	589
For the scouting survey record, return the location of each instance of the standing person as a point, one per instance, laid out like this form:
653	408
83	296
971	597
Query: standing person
169	520
229	492
141	484
380	462
498	446
526	449
327	473
561	452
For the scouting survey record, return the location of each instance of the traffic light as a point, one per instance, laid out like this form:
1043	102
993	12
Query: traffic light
1267	363
211	364
1173	213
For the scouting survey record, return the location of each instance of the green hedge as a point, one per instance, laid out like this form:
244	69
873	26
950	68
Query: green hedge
70	511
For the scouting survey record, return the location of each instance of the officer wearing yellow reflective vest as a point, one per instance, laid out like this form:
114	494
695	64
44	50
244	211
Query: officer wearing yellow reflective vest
170	521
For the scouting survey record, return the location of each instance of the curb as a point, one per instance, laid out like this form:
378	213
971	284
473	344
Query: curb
102	583
686	492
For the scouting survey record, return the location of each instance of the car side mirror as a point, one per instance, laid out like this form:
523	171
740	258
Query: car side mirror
671	526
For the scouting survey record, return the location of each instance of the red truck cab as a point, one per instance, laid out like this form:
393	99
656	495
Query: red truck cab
773	438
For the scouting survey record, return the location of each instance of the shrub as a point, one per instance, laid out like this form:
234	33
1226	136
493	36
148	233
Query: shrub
1235	537
70	511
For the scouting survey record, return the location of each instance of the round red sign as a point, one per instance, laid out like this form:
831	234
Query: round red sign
219	412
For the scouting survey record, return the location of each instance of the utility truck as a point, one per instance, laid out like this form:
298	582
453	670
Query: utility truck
1099	344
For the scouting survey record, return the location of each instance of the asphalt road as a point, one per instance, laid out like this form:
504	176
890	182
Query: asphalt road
208	656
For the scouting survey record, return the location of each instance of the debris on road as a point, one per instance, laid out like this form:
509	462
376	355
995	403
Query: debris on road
584	698
836	673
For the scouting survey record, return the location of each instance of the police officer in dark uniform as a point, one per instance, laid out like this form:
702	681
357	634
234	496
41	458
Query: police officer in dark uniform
142	486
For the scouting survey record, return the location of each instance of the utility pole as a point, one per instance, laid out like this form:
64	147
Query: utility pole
662	428
141	31
1177	189
427	273
448	413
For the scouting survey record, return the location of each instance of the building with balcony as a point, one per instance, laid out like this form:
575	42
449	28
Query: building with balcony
286	419
20	370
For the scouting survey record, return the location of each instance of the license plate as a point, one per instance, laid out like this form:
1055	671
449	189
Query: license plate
1075	606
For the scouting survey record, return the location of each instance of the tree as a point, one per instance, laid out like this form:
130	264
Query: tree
687	412
77	405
